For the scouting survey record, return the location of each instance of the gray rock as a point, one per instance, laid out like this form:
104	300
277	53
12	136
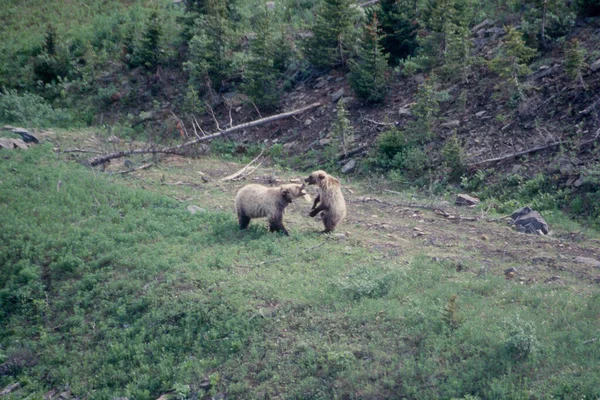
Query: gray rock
404	111
320	84
308	121
337	95
324	141
587	260
270	5
528	221
146	115
520	212
565	165
542	72
484	24
451	124
578	182
466	200
10	144
235	99
480	114
516	168
349	166
194	209
494	32
595	66
419	78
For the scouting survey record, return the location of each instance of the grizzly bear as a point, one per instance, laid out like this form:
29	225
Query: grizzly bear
330	195
258	201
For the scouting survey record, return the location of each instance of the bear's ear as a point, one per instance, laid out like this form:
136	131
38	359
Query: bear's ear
285	193
321	176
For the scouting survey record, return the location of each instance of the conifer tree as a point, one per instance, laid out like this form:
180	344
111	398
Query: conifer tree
446	24
575	61
262	79
343	131
333	34
399	27
513	58
368	74
211	47
426	110
149	50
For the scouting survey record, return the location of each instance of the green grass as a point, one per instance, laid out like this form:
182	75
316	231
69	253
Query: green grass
116	291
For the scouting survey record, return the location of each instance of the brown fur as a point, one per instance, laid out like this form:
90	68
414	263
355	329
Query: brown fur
257	201
330	195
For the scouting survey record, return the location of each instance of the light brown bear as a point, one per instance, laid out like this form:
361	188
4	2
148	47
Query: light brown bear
331	198
258	201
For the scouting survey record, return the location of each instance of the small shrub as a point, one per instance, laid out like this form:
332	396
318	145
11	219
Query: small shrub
31	110
521	341
342	131
366	282
453	157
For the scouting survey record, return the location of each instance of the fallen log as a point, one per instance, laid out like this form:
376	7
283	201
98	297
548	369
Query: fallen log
176	149
524	152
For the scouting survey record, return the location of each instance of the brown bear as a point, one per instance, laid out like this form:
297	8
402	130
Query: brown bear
258	201
331	198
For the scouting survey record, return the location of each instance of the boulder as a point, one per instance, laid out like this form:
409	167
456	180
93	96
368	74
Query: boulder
337	95
587	260
451	124
235	99
349	166
466	200
404	111
528	221
482	25
194	209
595	66
542	72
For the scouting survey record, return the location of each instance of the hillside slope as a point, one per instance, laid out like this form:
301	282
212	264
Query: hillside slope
111	287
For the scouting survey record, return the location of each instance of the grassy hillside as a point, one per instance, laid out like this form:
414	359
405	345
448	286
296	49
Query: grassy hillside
111	290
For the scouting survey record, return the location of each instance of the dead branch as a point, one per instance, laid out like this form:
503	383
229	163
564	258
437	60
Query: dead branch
513	155
378	122
368	3
145	166
176	149
524	152
353	152
81	151
247	170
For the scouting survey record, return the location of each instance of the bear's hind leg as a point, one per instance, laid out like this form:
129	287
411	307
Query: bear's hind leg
244	221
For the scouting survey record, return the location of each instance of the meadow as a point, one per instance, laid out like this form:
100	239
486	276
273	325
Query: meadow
110	287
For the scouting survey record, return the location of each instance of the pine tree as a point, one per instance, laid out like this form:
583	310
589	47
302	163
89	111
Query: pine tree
262	79
211	47
368	74
575	61
446	24
342	132
149	50
513	58
399	27
426	111
458	60
333	34
546	20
